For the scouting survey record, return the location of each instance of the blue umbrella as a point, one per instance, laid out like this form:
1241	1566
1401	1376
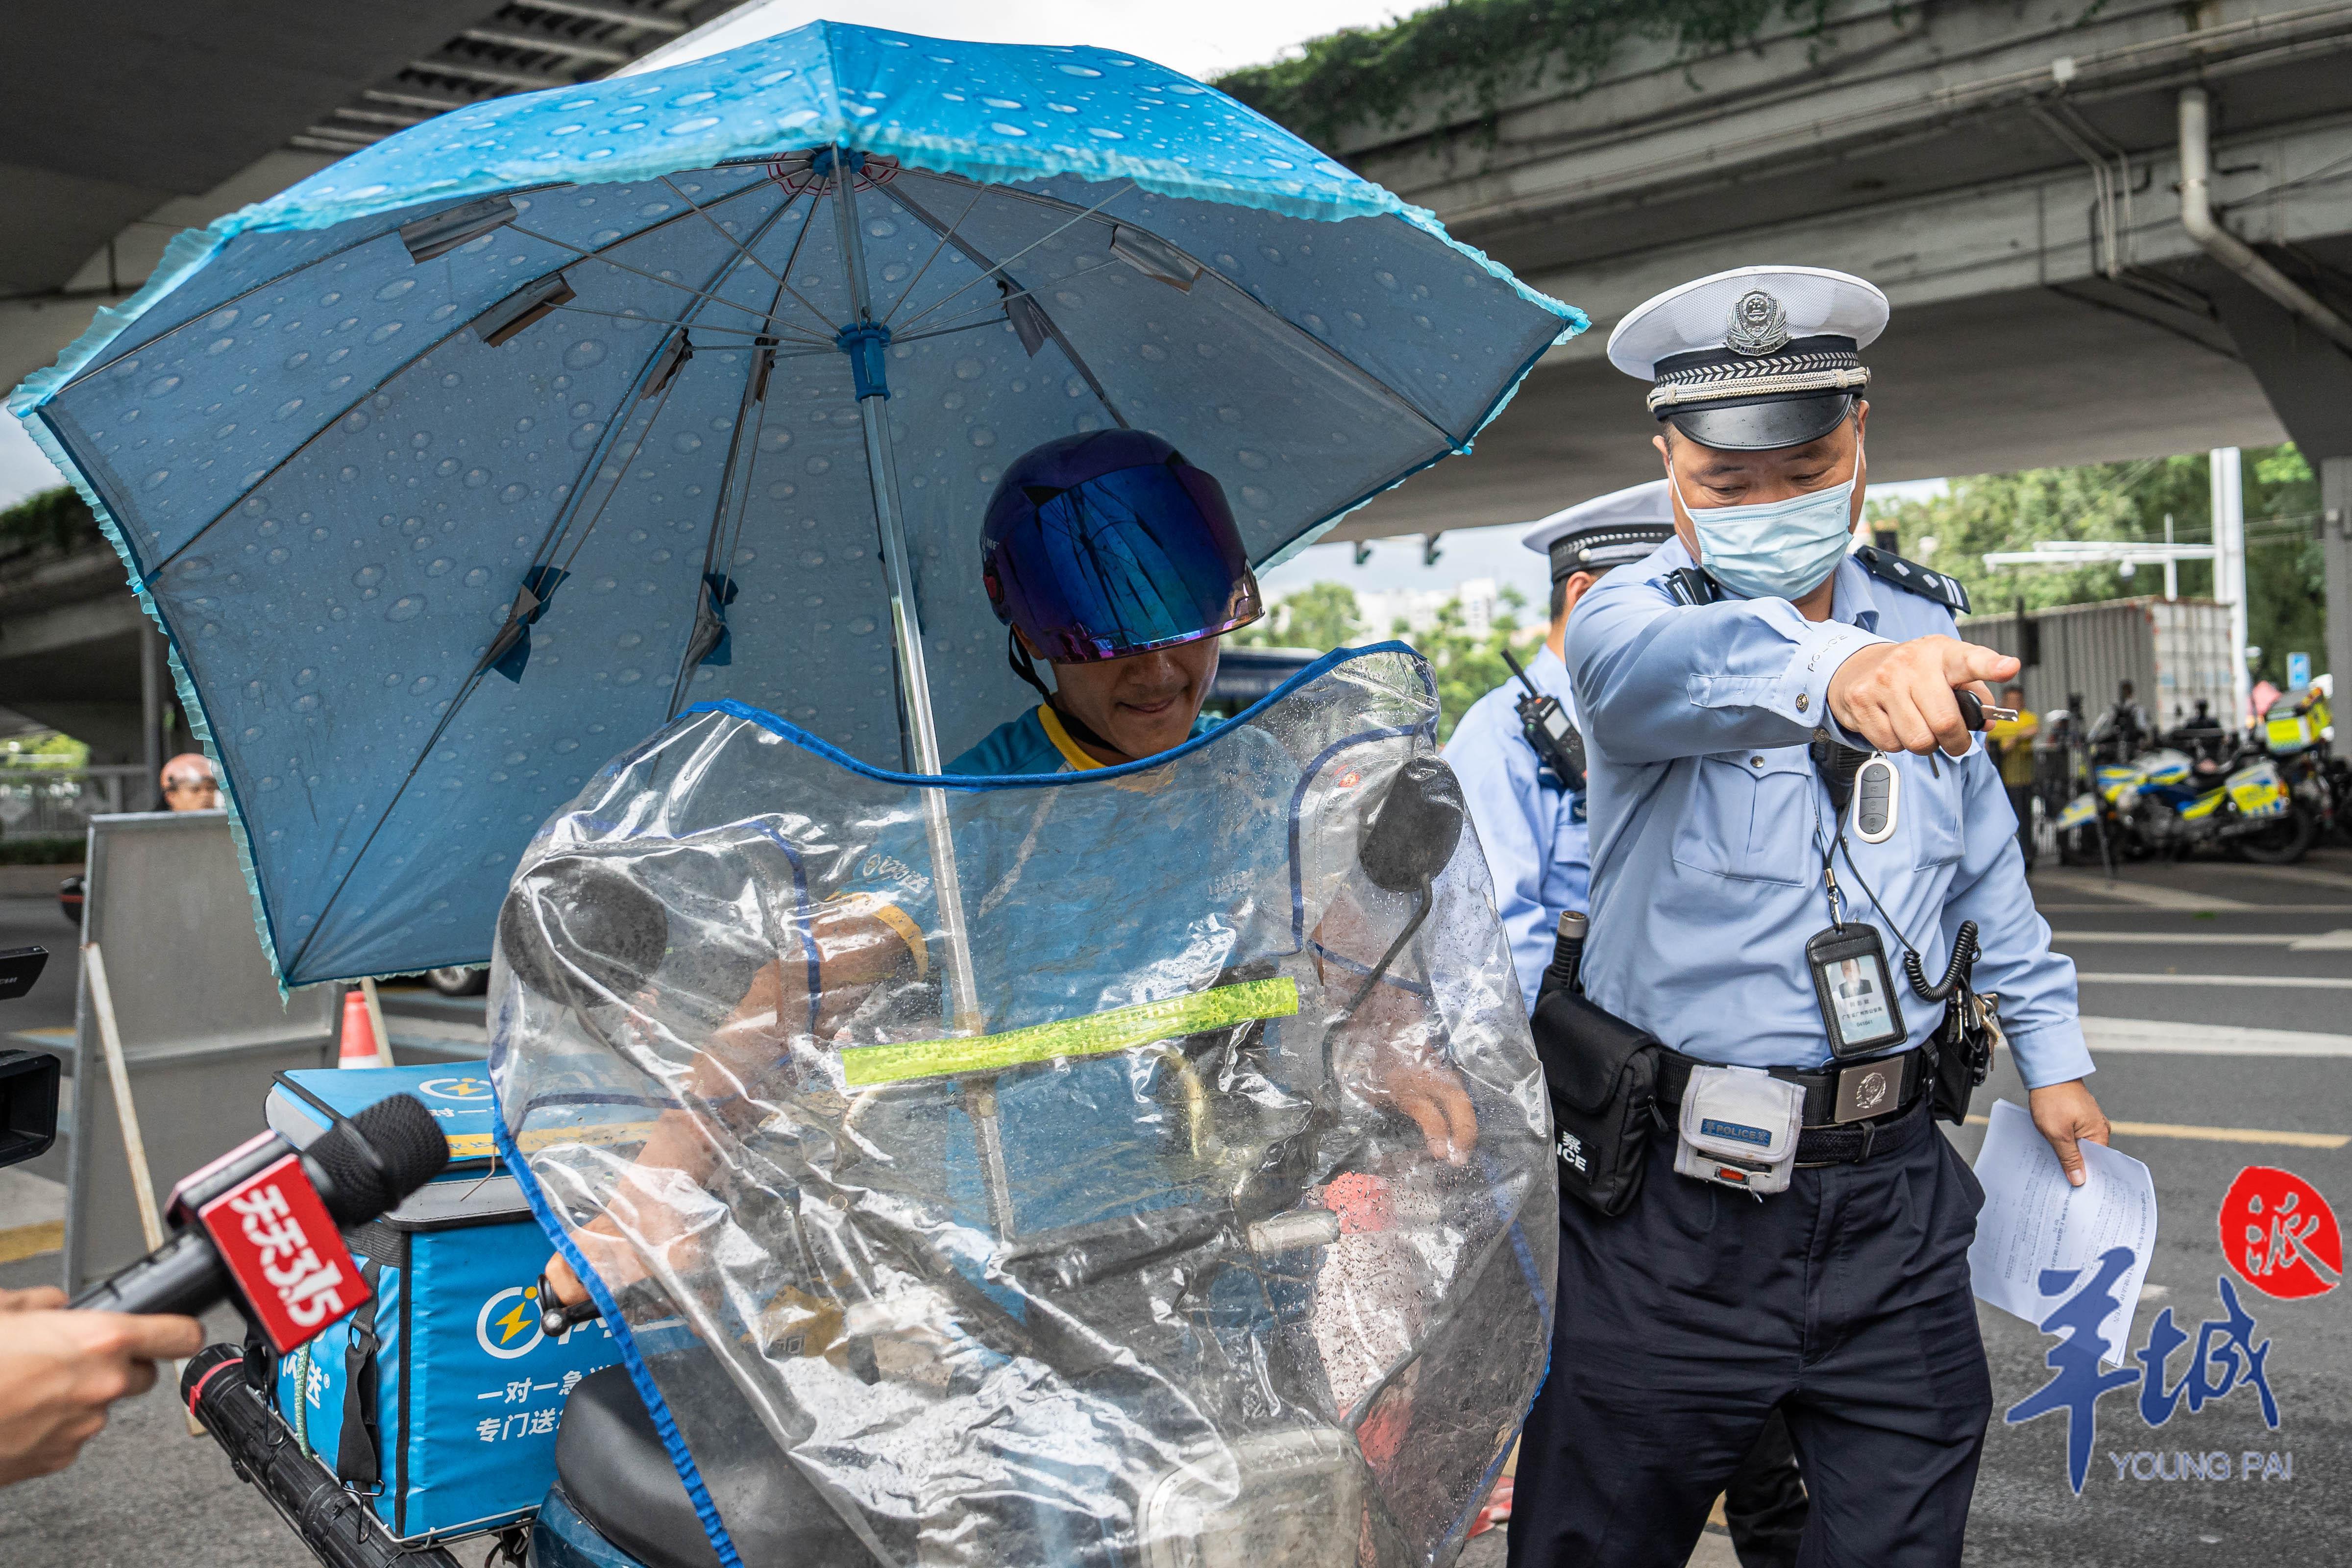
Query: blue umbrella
467	462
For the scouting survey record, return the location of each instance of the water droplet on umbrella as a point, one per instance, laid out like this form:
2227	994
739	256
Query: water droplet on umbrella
982	435
819	464
475	578
514	493
1249	459
862	625
584	353
477	478
1002	129
278	556
1152	352
422	684
367	576
685	441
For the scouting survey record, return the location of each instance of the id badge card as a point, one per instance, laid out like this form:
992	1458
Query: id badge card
1856	990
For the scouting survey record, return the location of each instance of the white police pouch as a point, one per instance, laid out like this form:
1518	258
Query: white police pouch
1739	1128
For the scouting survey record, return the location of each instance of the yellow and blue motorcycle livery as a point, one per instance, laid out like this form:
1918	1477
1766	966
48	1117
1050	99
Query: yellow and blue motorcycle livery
1146	1167
2165	803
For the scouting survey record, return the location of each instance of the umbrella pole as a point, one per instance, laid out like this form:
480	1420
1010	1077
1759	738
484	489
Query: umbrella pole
864	341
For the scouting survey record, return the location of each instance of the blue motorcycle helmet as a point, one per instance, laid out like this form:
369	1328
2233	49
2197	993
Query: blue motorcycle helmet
1110	545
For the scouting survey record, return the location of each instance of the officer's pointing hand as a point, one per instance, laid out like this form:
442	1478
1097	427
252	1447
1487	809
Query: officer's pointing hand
1898	696
2067	1115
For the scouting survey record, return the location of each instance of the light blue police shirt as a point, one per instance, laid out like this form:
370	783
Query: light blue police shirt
1705	814
1531	829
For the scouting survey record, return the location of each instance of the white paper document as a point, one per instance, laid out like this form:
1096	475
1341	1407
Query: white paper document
2032	1220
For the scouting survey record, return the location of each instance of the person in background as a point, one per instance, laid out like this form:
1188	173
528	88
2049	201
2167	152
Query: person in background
59	1371
189	784
2012	740
2127	724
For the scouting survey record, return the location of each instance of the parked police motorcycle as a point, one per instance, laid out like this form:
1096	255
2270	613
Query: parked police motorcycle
2160	802
2297	733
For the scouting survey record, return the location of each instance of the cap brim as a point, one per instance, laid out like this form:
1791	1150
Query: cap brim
1763	424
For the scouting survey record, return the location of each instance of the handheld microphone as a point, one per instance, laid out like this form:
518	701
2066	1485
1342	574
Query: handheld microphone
261	1225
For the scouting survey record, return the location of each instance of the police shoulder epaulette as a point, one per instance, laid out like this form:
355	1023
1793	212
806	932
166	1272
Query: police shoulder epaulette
1912	577
1689	586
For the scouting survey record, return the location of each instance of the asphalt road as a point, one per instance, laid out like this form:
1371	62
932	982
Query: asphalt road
2206	1042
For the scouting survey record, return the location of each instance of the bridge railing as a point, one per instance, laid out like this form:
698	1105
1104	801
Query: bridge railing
43	801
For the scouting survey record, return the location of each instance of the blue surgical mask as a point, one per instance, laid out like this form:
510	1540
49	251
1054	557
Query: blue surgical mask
1780	549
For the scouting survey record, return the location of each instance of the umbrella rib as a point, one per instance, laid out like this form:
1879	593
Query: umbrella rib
473	683
978	314
561	525
1017	254
798	337
307	442
1056	205
829	324
276	279
945	236
703	294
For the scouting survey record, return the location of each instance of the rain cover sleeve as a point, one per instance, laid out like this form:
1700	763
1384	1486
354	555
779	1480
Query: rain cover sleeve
1168	1184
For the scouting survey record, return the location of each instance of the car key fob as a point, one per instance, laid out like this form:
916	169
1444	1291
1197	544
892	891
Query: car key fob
1877	797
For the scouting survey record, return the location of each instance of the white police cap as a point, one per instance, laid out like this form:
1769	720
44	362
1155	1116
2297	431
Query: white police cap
1756	358
1607	530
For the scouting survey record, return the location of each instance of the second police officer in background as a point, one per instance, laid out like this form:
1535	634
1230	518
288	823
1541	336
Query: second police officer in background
1521	767
1793	1234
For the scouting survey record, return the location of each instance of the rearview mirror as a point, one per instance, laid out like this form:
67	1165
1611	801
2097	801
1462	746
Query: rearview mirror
581	930
1416	828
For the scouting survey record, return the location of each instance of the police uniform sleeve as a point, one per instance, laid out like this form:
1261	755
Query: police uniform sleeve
1656	680
2038	1007
1513	816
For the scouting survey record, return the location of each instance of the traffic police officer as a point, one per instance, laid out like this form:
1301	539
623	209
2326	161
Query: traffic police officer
1530	821
1729	889
1531	825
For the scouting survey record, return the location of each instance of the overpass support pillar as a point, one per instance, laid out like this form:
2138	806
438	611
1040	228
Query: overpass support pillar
2336	539
2309	380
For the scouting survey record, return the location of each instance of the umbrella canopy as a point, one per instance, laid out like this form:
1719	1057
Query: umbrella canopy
459	468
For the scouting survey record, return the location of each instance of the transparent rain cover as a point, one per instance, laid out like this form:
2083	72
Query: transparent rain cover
1179	1253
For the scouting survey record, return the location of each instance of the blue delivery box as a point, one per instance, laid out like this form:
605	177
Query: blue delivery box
438	1400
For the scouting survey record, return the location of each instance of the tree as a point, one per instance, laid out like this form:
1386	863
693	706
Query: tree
1954	532
1322	616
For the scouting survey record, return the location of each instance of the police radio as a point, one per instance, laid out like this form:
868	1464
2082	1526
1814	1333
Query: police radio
1545	723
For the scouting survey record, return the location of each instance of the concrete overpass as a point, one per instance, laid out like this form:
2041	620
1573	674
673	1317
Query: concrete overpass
2007	173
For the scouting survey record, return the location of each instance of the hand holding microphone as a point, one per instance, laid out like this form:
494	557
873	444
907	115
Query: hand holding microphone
262	1223
59	1370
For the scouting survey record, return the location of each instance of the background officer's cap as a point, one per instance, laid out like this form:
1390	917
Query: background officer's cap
1607	530
1756	358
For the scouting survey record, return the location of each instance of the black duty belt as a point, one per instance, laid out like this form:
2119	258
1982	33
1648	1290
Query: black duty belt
1848	1105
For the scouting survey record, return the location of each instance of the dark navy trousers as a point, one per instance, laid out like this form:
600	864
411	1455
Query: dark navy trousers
1683	1324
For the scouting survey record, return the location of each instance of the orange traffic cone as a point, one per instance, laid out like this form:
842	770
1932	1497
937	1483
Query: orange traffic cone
360	1047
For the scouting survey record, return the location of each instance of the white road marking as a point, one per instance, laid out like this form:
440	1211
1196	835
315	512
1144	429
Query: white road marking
2146	894
2326	941
2164	1037
2268	981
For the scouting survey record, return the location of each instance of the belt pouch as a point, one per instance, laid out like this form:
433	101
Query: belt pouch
1739	1128
1602	1076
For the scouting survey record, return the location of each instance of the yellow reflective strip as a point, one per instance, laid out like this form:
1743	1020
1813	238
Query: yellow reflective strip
1121	1028
1072	753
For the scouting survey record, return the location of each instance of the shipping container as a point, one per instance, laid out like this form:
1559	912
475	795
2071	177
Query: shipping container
2173	651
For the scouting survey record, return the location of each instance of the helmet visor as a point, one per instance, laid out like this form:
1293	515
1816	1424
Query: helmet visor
1127	562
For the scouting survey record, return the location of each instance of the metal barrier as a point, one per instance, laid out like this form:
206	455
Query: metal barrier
184	999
